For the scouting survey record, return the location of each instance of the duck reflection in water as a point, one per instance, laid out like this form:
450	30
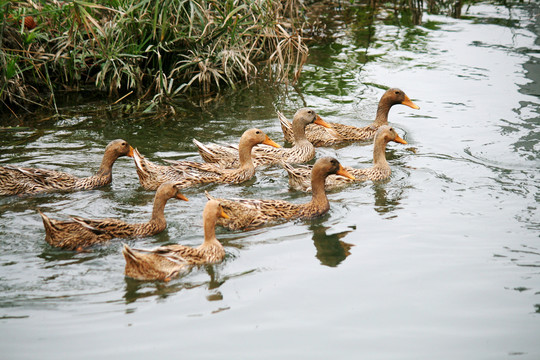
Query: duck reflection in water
140	289
331	250
386	202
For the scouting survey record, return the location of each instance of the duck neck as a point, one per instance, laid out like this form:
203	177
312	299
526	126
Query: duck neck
244	153
379	152
382	113
299	132
209	230
106	164
158	212
318	199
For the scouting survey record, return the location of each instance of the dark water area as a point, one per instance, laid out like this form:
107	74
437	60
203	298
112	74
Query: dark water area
441	261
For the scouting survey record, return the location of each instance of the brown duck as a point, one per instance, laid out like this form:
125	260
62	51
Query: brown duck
300	177
21	180
80	233
302	151
251	213
345	133
189	173
165	262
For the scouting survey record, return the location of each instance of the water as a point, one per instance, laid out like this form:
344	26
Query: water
440	262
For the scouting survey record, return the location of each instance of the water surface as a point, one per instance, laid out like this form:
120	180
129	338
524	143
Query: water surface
439	262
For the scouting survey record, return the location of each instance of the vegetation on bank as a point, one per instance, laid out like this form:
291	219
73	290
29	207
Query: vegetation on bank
153	51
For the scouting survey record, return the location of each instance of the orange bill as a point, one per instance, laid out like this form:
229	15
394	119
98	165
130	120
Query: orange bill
345	173
130	153
270	142
181	197
409	103
399	140
223	215
321	122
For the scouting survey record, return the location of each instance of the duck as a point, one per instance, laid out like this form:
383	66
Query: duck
165	262
251	213
300	176
204	173
301	152
190	173
346	133
15	180
80	233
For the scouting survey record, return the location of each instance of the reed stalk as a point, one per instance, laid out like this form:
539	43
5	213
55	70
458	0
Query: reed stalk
156	49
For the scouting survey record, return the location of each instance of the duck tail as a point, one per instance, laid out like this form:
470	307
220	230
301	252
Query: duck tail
286	126
138	158
50	229
129	254
285	123
46	221
208	196
206	153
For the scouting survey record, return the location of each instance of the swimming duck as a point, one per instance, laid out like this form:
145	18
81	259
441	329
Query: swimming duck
165	262
79	232
251	213
300	177
16	180
343	133
205	173
190	173
302	151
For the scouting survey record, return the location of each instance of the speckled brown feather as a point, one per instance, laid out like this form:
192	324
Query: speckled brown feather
345	133
80	232
300	176
152	175
191	173
251	213
25	181
214	173
227	155
164	262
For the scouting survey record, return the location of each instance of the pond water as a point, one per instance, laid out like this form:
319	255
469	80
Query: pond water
442	261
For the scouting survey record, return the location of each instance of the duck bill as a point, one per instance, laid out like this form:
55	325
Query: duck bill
181	197
130	152
224	215
400	140
321	122
345	173
270	142
409	103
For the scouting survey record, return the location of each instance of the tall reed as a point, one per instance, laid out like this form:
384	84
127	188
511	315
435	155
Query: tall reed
155	49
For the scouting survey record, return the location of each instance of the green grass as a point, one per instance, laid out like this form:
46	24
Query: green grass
155	50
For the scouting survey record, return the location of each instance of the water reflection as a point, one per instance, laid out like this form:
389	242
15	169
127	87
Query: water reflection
386	202
331	250
137	289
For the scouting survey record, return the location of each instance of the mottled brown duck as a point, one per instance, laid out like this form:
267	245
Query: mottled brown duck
339	133
190	173
213	173
165	262
302	151
300	176
80	233
16	180
251	213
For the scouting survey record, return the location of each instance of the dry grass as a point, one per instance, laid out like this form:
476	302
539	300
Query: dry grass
156	49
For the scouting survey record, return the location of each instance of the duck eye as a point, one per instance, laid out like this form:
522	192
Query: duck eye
257	132
397	92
